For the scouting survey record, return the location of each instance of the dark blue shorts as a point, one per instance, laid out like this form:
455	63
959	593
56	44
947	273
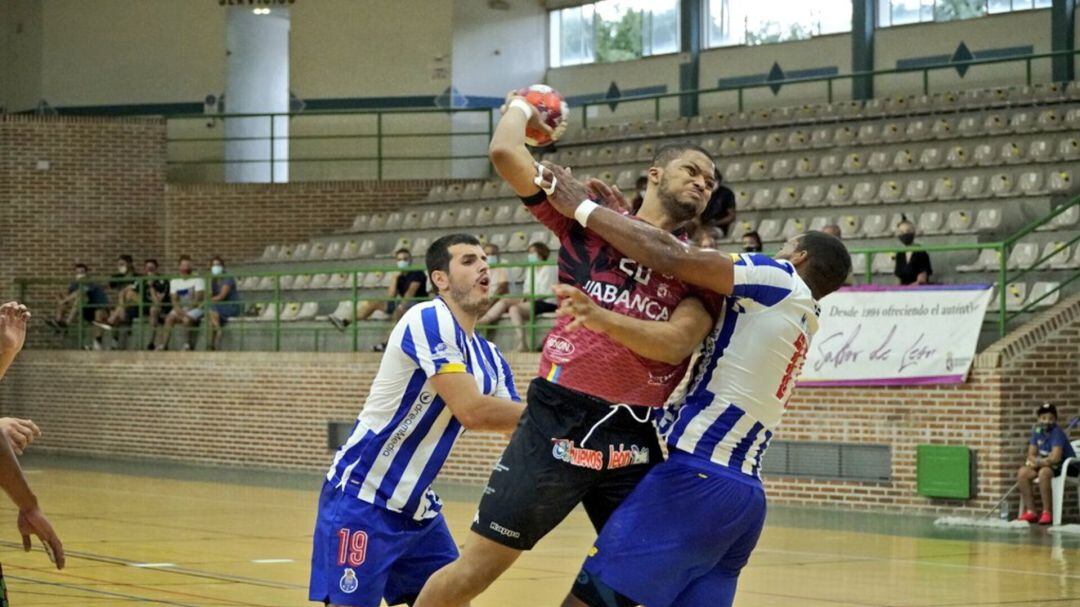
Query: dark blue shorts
363	553
682	536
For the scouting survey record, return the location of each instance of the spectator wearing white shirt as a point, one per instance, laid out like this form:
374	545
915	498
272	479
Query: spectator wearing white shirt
539	281
186	293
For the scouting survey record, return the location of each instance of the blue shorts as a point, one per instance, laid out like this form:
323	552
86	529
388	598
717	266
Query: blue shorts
681	537
363	553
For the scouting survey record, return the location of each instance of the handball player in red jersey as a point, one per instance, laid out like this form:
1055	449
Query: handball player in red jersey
587	435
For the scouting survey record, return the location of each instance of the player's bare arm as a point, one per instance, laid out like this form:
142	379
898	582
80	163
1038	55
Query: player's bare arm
474	410
507	150
651	246
670	341
13	320
31	519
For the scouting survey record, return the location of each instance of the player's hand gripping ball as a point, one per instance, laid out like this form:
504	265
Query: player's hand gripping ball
548	122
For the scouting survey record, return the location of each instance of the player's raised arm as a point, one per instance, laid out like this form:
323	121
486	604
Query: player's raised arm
652	247
670	341
533	116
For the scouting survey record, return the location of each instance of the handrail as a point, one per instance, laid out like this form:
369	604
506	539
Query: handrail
828	79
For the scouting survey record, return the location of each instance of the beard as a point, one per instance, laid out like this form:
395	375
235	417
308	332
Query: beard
469	303
676	209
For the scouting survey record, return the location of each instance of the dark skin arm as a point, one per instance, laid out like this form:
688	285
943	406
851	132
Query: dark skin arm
652	247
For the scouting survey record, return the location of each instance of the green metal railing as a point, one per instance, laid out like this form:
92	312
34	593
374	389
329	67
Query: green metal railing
379	130
35	291
1004	248
740	90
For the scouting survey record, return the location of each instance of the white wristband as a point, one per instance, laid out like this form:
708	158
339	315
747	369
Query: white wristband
583	210
524	106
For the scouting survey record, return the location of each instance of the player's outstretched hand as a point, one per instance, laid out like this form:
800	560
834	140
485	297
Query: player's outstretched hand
19	432
608	195
13	319
33	521
573	302
565	192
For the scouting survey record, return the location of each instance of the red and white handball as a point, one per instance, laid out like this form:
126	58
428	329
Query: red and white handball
551	112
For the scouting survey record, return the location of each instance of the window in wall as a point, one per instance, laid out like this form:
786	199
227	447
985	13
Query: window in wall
614	30
733	22
901	12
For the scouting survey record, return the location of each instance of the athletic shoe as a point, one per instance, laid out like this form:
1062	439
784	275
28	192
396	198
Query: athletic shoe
338	323
104	326
1028	517
1046	518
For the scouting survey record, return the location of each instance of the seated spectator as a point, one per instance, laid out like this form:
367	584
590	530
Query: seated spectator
407	288
639	194
832	230
186	294
539	281
1048	447
751	242
225	300
155	295
83	297
125	283
500	287
916	269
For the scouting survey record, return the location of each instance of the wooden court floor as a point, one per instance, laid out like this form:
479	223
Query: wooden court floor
140	534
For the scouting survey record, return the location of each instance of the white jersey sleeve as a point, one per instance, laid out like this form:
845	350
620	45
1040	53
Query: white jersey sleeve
430	338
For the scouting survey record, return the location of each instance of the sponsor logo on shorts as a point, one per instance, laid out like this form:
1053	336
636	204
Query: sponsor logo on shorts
349	583
621	458
564	449
497	528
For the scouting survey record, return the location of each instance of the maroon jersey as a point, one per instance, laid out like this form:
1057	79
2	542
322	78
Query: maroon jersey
591	362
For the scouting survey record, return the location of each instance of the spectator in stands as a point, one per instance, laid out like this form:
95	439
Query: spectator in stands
83	296
225	300
186	294
405	290
751	242
1048	447
31	520
155	294
500	287
125	283
639	194
916	269
832	230
539	281
715	221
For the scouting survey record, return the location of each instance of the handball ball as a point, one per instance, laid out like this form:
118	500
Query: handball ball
551	111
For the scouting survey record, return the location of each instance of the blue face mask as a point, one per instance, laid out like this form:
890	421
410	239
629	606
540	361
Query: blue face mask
216	270
534	258
402	263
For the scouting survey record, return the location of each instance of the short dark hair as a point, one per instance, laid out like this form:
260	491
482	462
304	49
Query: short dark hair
403	250
723	196
1046	408
752	234
126	259
83	266
184	258
438	254
217	258
642	179
151	260
670	151
541	248
828	261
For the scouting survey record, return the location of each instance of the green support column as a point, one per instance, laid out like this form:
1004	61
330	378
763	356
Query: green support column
690	28
1063	38
863	20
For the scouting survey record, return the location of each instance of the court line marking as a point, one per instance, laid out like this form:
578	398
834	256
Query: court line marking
272	561
134	597
921	562
152	565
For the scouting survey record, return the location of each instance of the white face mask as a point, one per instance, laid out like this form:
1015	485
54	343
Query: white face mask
216	270
402	263
80	276
534	258
121	269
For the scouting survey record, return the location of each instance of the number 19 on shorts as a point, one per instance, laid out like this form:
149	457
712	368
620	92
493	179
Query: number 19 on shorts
352	548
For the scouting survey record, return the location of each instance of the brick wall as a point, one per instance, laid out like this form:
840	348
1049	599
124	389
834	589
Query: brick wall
270	411
102	193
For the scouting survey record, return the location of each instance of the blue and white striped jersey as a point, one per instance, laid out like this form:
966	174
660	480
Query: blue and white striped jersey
405	431
747	367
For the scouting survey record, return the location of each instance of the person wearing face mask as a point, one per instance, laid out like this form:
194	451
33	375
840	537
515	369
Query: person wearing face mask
83	296
186	293
1047	448
155	296
225	300
751	242
914	269
500	287
408	288
125	283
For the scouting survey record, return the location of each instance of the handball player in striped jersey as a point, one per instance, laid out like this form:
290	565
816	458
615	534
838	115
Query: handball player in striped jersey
587	436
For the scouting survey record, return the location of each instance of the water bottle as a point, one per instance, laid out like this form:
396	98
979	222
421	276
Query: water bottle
1003	513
